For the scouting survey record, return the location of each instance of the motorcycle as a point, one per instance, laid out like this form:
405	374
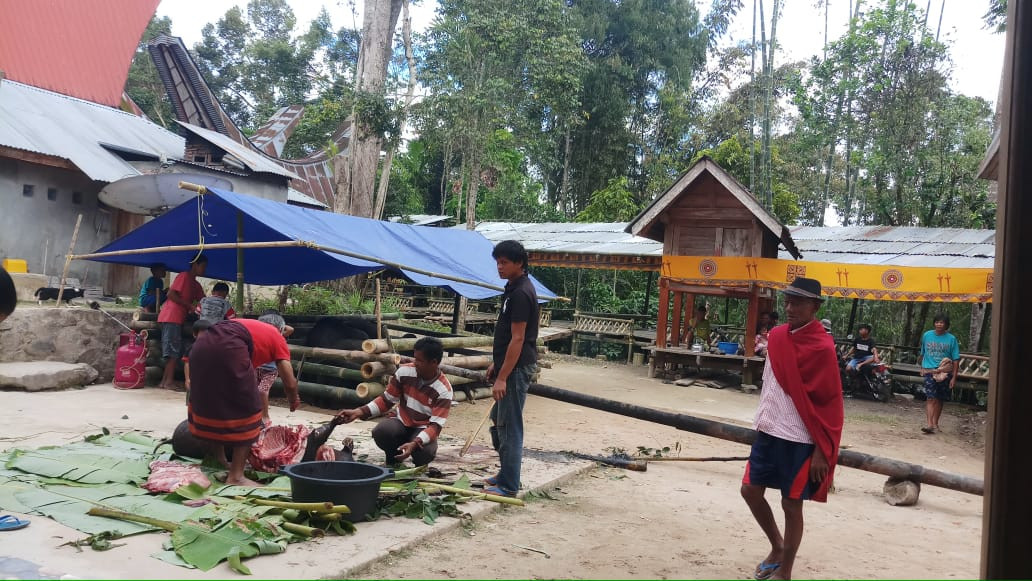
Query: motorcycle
870	380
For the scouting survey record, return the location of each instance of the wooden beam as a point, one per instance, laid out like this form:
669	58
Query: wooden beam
710	291
664	308
1007	503
37	158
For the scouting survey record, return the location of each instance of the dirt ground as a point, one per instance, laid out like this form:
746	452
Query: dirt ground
686	519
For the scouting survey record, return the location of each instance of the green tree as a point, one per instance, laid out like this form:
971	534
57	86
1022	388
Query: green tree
613	203
143	85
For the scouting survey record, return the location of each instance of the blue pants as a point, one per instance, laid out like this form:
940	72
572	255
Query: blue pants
507	431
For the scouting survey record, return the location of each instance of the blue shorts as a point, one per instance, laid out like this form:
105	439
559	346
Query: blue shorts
782	464
171	340
937	389
856	361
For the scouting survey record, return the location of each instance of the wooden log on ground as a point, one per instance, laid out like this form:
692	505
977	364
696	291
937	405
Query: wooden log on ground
339	397
478	393
308	369
371	369
381	346
139	315
850	458
370	389
635	465
297	351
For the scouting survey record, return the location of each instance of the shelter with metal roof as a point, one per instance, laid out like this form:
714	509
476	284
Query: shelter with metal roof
599	245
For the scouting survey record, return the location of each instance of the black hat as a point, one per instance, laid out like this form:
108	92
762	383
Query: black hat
805	287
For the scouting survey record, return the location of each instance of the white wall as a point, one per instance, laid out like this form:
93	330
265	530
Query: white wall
33	226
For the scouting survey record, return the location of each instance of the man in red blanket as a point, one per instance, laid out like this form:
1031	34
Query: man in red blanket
798	425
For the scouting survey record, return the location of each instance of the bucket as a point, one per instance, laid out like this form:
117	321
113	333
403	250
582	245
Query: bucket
728	347
355	484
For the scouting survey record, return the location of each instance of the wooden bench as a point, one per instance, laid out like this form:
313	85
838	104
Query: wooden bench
669	358
613	330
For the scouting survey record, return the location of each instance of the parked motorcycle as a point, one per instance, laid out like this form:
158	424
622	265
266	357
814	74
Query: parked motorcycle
870	380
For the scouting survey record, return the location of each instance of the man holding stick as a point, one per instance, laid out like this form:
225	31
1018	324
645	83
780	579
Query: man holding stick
515	356
798	424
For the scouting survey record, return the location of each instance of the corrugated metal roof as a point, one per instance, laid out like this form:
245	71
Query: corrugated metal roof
252	158
607	238
296	197
420	219
41	121
81	48
902	246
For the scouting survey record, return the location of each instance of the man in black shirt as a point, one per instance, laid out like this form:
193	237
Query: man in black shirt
863	349
515	356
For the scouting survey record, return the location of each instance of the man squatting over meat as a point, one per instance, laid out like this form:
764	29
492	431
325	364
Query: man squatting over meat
423	396
798	425
225	408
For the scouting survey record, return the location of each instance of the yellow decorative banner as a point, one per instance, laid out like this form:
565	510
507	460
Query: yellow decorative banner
865	281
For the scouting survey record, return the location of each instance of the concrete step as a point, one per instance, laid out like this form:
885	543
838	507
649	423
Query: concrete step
44	375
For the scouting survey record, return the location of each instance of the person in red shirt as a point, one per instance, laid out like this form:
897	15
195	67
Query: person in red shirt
225	408
423	396
184	293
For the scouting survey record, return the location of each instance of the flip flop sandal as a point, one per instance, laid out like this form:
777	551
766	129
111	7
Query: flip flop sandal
765	570
928	430
10	522
491	481
497	492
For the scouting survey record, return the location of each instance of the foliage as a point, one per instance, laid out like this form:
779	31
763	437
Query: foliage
143	84
996	16
613	203
318	300
411	501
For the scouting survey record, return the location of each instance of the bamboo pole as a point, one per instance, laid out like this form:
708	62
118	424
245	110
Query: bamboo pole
327	370
628	464
379	317
240	264
343	355
850	458
699	459
68	260
478	393
370	389
468	361
371	369
473	436
381	346
338	396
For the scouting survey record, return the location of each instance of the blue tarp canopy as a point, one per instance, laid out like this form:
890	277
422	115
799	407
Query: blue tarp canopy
213	217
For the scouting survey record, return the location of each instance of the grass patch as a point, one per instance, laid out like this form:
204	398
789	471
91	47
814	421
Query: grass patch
874	419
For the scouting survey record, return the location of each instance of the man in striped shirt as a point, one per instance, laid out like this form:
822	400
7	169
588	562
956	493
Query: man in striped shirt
423	396
798	424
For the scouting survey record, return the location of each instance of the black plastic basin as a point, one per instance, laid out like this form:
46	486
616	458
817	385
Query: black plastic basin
355	484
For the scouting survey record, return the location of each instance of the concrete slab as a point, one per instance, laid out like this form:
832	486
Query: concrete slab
41	375
50	418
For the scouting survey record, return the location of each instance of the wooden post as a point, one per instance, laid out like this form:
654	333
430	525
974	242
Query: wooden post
675	326
239	306
664	308
852	317
752	317
456	310
648	291
689	314
1007	503
68	260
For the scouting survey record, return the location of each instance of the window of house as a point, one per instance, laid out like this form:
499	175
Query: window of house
76	197
52	194
28	190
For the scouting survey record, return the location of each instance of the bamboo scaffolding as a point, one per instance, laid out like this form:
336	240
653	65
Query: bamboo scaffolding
381	346
371	369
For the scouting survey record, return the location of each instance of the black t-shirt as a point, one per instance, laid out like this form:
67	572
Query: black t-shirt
519	305
863	347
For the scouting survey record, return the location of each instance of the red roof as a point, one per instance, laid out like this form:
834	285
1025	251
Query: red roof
80	48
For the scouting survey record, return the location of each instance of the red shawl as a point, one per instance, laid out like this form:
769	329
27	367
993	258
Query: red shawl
806	367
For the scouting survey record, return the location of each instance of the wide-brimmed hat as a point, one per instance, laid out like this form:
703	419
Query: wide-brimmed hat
805	287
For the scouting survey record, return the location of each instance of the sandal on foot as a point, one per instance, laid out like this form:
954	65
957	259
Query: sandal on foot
9	522
491	481
765	570
928	430
497	492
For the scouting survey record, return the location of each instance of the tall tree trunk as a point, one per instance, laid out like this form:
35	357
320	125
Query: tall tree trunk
564	184
471	193
460	190
385	174
908	323
378	23
752	107
923	318
975	330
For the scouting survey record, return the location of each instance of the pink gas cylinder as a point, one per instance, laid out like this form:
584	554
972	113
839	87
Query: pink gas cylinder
131	360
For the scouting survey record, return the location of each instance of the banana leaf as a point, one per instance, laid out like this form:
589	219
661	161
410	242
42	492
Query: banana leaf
172	558
233	540
280	486
80	466
11	483
68	505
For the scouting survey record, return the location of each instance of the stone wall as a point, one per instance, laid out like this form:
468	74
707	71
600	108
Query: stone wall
69	334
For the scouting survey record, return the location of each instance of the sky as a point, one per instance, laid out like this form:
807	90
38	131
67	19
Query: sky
977	53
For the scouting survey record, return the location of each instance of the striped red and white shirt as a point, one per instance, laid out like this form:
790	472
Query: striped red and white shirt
776	414
421	404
